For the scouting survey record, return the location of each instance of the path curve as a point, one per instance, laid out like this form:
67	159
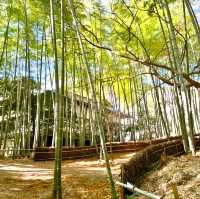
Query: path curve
81	179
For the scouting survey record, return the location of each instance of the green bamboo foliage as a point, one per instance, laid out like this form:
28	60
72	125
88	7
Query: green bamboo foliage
96	73
194	18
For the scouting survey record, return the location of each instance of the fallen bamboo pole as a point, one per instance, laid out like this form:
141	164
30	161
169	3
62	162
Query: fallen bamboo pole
132	188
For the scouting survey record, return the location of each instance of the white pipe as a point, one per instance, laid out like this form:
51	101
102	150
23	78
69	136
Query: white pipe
132	188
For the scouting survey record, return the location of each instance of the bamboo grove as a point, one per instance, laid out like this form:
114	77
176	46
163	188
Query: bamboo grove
77	73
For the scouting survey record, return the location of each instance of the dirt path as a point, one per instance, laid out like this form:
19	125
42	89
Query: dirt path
86	178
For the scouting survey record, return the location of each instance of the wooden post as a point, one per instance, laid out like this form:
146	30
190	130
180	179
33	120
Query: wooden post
122	192
175	191
177	149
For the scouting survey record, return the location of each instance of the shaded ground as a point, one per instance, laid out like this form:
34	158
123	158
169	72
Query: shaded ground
183	171
24	179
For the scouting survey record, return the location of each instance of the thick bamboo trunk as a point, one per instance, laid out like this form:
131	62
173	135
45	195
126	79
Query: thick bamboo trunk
57	191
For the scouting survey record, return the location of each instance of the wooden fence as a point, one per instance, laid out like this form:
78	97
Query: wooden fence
47	153
139	163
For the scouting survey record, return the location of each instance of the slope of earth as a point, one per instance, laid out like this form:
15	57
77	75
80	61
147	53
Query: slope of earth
183	172
85	178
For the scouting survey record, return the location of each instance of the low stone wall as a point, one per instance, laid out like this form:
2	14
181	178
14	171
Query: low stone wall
137	165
